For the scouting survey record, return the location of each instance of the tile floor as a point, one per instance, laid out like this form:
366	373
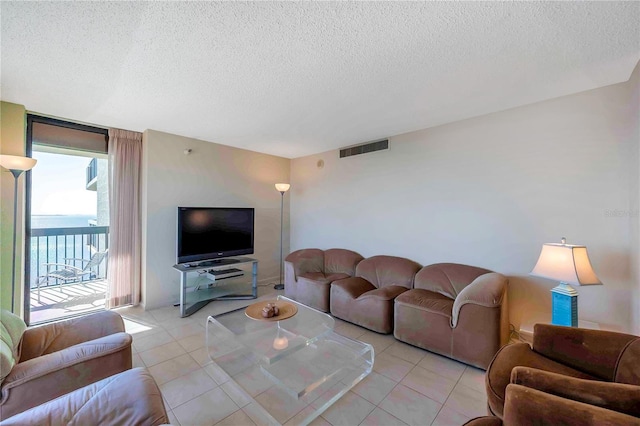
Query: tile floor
408	386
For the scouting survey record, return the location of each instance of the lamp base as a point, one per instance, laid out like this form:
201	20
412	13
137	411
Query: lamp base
279	287
564	305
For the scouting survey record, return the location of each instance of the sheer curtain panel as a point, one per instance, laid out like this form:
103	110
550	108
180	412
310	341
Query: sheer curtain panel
125	156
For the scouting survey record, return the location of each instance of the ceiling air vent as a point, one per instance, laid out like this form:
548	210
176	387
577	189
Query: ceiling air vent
365	148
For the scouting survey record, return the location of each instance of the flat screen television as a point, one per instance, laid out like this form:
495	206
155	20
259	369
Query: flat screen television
207	233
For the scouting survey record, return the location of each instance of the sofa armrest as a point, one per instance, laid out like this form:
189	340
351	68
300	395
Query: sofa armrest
77	354
487	290
594	352
48	338
44	378
613	396
526	406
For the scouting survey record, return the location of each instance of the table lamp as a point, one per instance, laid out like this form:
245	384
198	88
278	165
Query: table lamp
568	264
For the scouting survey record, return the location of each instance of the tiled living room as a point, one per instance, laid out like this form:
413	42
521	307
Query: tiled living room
338	213
408	385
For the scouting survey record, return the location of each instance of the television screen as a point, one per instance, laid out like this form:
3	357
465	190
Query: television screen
213	232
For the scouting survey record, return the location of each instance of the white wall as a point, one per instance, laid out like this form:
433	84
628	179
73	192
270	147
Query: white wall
634	204
212	176
489	192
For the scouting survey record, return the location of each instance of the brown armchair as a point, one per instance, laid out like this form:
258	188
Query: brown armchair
367	298
57	358
589	366
458	311
308	274
526	405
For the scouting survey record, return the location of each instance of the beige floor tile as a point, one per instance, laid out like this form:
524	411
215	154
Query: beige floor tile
144	343
137	361
374	387
429	384
443	366
185	388
449	417
410	406
406	352
467	401
239	418
186	330
201	356
236	393
349	410
391	367
473	378
173	420
172	369
253	381
191	343
166	313
258	415
206	409
216	373
281	407
298	418
161	353
349	330
379	417
380	342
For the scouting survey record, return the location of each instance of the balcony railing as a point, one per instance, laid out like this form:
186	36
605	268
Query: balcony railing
56	245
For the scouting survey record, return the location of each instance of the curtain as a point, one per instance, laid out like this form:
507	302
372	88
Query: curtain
125	237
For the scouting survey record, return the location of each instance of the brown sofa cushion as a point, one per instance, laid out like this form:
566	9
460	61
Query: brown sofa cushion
618	397
341	261
427	301
595	352
448	279
128	398
518	354
382	271
321	277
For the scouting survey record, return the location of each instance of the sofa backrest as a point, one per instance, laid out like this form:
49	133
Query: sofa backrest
307	260
382	271
341	261
448	279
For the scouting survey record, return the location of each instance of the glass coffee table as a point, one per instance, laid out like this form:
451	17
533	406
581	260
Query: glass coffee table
289	370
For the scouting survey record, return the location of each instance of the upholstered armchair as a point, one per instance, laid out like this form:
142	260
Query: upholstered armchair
308	274
458	311
41	363
367	298
526	405
594	367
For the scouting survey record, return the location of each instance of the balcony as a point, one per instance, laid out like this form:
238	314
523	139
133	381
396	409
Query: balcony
92	175
52	297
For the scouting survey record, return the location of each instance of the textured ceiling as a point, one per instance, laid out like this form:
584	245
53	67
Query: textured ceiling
293	79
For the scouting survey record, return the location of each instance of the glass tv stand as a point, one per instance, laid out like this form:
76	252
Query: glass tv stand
228	278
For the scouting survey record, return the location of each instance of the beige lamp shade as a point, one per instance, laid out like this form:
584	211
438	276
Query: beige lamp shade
282	187
16	162
565	263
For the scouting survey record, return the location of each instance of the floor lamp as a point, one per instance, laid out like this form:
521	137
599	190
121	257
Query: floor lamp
16	165
282	188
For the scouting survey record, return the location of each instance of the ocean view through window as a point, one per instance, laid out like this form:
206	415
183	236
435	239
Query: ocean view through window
69	233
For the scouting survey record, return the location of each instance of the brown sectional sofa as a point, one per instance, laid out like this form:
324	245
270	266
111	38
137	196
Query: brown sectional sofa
308	274
458	311
367	299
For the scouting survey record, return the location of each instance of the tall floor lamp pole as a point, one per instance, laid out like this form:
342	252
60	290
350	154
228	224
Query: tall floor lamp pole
16	165
282	188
